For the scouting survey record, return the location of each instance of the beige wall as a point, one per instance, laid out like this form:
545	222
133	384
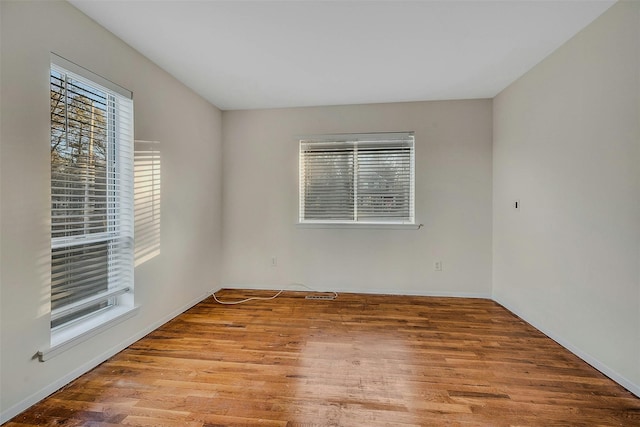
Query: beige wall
567	144
188	130
453	201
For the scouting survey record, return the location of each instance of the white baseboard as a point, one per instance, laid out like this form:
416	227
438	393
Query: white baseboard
606	370
86	367
407	292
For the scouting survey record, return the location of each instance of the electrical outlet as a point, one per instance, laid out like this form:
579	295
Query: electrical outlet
437	266
274	261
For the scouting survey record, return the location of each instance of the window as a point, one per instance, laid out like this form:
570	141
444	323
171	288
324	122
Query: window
357	178
91	194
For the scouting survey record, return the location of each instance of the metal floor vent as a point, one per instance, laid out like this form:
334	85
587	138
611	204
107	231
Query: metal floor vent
321	297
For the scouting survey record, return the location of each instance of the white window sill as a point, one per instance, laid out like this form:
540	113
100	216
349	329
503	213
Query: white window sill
69	336
360	225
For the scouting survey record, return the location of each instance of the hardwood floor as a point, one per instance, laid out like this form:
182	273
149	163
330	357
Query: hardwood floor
361	360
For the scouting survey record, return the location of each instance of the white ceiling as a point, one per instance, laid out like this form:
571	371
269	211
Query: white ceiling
265	54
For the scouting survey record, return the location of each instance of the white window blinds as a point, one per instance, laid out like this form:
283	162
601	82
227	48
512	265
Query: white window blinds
359	178
91	195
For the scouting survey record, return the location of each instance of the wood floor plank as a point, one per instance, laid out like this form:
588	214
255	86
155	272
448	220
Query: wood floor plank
360	360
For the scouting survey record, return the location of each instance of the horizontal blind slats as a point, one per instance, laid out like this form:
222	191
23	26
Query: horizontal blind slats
91	193
368	177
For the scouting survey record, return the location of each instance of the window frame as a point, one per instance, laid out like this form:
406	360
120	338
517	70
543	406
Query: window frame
88	315
359	141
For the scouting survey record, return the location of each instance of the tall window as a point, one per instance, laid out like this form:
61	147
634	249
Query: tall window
91	194
357	178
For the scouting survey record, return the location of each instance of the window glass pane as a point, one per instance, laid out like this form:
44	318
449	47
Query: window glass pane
78	272
79	161
328	191
384	183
